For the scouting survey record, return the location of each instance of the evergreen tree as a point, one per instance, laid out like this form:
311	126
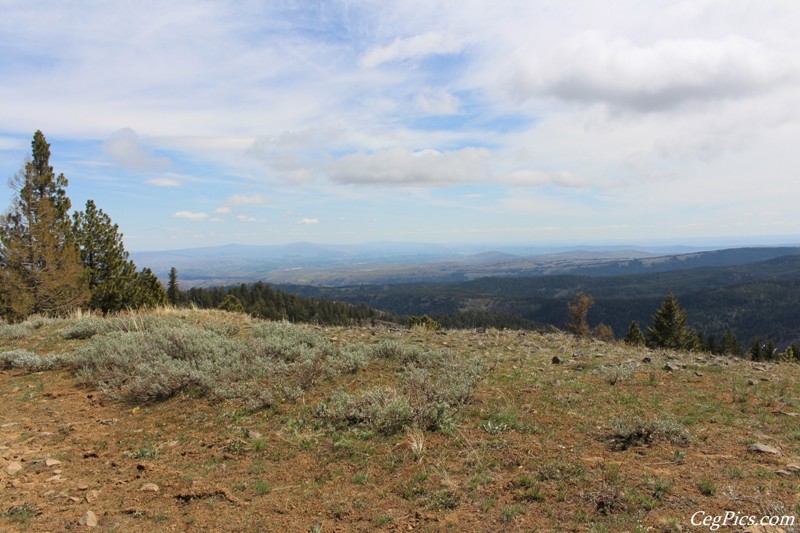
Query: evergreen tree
669	328
43	273
729	345
173	291
756	350
635	337
578	311
146	290
111	274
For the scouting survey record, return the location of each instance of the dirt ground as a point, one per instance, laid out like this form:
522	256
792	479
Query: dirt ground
526	455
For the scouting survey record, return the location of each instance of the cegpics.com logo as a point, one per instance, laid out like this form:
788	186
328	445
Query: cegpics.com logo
732	519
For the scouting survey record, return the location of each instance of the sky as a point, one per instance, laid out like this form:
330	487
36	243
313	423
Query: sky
197	123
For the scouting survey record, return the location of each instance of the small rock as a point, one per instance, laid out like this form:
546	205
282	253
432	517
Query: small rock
556	360
751	382
253	434
52	462
763	448
83	487
646	359
794	468
784	473
13	468
92	496
55	479
73	499
88	520
668	367
149	487
698	373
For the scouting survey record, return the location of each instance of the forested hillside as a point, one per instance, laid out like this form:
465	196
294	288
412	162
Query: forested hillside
753	300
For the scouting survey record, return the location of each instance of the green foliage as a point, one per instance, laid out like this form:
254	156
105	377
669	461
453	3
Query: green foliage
41	268
103	254
424	322
174	292
146	291
634	337
262	301
669	329
230	303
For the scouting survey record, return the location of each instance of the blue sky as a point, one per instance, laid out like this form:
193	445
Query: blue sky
261	122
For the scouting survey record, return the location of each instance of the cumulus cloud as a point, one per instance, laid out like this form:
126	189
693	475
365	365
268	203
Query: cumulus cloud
597	68
404	167
190	215
245	218
126	150
309	221
438	101
222	210
408	48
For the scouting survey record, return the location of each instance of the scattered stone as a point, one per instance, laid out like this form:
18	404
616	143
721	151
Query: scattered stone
784	473
668	367
751	382
55	479
794	468
73	499
785	413
253	434
83	487
88	520
763	448
92	496
557	360
149	487
13	468
698	373
52	462
646	359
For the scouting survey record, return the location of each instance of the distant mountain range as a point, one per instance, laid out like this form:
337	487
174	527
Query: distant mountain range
380	263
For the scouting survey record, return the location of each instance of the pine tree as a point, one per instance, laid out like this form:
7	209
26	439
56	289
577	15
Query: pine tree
146	290
635	337
41	263
173	291
111	274
669	328
729	345
578	311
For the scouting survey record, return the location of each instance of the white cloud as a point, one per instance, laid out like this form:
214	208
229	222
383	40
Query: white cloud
402	166
164	182
438	101
245	218
309	221
598	68
245	199
126	150
408	48
222	210
190	215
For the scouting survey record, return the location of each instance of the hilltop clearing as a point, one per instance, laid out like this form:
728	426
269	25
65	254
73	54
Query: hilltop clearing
186	420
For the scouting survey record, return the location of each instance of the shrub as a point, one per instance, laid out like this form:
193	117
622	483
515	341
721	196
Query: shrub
14	331
424	322
634	431
381	409
84	329
30	361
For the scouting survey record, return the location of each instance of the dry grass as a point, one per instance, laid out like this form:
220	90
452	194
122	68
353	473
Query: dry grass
277	426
